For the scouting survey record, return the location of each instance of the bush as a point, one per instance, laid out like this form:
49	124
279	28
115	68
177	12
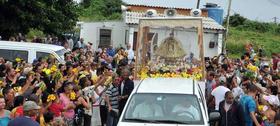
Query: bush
34	32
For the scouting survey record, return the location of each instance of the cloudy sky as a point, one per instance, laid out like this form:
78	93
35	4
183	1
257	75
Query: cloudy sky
261	10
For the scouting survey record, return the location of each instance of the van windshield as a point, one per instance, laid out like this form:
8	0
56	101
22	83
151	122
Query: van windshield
164	108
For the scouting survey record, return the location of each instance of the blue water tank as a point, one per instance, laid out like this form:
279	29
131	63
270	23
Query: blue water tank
215	12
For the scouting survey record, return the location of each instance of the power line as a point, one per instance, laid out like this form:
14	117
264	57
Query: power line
274	2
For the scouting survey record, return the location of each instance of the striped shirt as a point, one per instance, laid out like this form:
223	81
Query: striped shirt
113	93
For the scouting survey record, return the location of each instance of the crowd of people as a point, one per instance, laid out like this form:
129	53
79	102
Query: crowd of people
245	90
90	89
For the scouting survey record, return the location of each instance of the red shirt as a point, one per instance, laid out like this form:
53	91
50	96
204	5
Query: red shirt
56	108
17	112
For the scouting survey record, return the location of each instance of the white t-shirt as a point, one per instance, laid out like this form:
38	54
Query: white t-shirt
219	94
130	55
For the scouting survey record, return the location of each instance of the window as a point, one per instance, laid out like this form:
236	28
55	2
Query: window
11	55
164	108
61	53
105	37
134	40
42	55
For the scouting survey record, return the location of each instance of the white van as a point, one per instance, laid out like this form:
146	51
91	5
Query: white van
30	51
166	102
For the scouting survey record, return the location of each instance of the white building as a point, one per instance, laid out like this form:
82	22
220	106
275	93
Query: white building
119	33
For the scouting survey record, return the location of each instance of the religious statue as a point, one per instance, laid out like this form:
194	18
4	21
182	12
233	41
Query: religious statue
170	50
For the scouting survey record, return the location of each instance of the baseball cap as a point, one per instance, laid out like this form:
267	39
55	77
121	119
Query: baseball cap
222	79
30	105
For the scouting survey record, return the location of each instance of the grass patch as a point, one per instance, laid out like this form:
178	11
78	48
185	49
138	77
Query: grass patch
238	38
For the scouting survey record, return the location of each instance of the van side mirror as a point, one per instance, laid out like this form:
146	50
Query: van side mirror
214	116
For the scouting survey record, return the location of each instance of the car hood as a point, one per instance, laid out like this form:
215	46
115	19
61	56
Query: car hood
153	124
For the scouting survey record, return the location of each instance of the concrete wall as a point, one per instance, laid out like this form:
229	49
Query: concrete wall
90	32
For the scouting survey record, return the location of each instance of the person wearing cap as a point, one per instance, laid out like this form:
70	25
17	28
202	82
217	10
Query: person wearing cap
219	92
30	109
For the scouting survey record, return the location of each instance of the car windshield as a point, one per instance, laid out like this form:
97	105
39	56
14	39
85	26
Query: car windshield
164	108
61	53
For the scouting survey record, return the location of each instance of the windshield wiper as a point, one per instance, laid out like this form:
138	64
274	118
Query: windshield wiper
141	120
171	121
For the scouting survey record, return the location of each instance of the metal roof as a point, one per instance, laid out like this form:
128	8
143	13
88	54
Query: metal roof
184	4
162	85
133	18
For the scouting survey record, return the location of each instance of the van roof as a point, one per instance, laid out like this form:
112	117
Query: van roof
167	85
31	45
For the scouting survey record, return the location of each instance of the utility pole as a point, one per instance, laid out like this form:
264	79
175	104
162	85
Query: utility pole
275	20
227	25
197	5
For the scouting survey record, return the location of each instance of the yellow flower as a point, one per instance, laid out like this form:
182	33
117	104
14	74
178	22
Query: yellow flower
94	78
108	82
76	81
18	59
47	71
75	70
53	68
17	89
1	83
51	97
17	70
72	96
252	68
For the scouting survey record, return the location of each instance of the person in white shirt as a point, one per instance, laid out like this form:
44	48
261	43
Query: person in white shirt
236	90
130	53
219	92
186	109
147	109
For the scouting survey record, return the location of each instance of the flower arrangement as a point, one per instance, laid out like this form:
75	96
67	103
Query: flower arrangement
51	97
251	71
252	68
170	72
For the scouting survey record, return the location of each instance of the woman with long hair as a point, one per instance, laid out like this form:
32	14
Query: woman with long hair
66	100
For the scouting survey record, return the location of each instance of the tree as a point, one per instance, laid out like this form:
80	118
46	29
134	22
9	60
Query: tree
49	16
236	20
102	10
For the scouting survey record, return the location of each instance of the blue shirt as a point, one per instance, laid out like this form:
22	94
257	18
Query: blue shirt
5	120
249	105
23	121
111	52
